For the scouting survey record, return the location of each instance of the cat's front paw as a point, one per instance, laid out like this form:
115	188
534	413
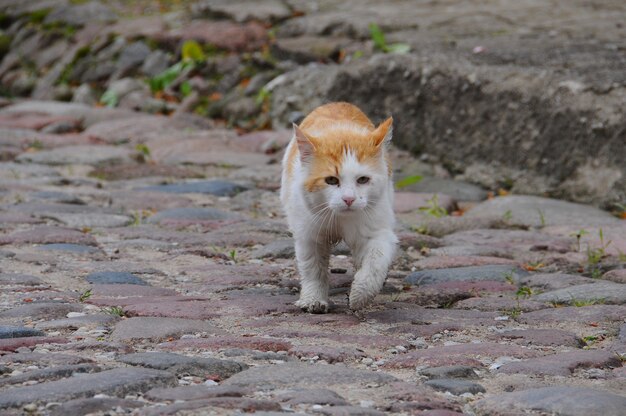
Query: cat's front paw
359	300
313	306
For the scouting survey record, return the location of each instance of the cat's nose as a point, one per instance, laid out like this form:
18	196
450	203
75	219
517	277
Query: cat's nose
348	200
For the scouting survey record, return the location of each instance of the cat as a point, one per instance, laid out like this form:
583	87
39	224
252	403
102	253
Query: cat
337	185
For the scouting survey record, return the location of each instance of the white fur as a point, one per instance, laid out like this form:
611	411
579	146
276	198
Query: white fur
321	219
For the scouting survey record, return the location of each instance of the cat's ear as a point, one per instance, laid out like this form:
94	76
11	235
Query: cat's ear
305	146
382	134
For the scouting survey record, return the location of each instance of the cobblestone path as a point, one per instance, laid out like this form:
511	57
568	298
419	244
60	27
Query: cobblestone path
159	279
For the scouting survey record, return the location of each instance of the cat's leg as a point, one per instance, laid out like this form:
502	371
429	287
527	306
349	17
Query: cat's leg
312	259
373	258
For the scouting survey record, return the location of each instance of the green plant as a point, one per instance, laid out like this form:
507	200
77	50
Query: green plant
586	302
164	79
579	234
109	98
233	255
523	292
85	295
542	218
192	51
590	339
409	180
433	208
514	312
263	96
595	255
507	216
185	88
509	277
381	44
115	310
144	150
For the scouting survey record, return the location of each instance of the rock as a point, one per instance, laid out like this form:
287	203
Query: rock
131	57
14	344
534	211
224	35
93	405
214	187
70	248
48	235
447	262
304	49
455	387
221	342
457	190
448	372
159	329
598	292
547	337
91	321
155	63
78	220
108	278
192	214
278	249
585	314
117	382
304	375
617	276
312	396
547	282
564	400
82	155
492	303
49	374
122	88
466	274
563	364
243	10
81	14
414	201
18	332
48	310
47	359
180	364
194	392
329	354
350	411
84	94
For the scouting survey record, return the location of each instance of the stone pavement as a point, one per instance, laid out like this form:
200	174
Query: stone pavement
145	264
163	282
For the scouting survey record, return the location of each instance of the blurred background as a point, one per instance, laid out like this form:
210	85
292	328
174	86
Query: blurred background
515	96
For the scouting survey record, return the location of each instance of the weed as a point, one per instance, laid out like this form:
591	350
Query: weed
579	303
192	51
579	234
590	339
85	295
115	310
507	216
381	44
515	312
409	180
433	208
233	255
509	277
109	99
144	150
523	292
542	218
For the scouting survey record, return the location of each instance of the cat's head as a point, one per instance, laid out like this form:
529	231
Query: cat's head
346	166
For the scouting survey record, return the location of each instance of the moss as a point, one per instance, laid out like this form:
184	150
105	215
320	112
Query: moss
38	16
5	44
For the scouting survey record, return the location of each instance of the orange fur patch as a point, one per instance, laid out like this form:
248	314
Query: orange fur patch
333	129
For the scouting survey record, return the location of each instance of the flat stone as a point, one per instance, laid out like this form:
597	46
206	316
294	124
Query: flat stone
278	249
562	364
562	400
194	392
350	411
134	171
192	214
175	308
466	274
114	278
258	407
460	354
70	248
554	281
159	329
90	321
312	396
456	387
13	279
79	155
471	250
38	310
424	316
304	375
79	220
180	364
517	240
221	342
329	354
617	276
48	359
48	374
602	292
581	315
121	290
451	371
116	382
547	337
413	201
534	211
242	11
492	303
458	190
224	35
48	235
214	187
446	262
81	14
13	344
94	405
18	332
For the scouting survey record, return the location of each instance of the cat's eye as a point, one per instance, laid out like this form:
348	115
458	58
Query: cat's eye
332	180
363	180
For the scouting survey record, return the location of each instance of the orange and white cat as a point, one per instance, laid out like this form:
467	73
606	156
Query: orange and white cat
337	185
